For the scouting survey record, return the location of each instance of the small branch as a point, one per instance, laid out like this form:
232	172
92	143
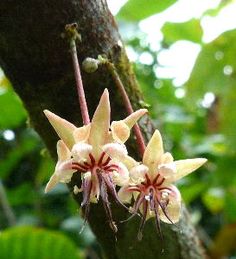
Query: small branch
73	35
6	206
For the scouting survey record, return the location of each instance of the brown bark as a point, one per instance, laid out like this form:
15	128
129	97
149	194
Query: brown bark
36	59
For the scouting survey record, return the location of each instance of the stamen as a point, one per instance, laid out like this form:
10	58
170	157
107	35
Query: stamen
147	179
87	187
161	182
109	167
151	200
111	186
164	211
140	231
87	164
101	158
165	188
157	221
86	214
156	178
107	161
106	203
133	189
137	204
79	166
92	159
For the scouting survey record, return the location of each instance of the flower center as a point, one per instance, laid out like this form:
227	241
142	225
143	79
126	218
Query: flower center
153	197
96	182
103	163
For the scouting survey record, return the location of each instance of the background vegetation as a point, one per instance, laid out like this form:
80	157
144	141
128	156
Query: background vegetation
196	116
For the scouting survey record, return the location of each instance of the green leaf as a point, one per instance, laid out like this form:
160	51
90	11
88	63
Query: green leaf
215	71
192	191
214	199
230	205
35	243
21	195
136	10
190	30
12	110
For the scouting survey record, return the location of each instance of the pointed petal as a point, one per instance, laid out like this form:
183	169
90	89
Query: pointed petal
121	129
82	133
115	150
134	117
187	166
100	122
153	152
63	128
54	180
173	209
129	162
62	151
124	194
166	158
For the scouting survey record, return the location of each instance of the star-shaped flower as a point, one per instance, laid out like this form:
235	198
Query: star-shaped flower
87	150
151	184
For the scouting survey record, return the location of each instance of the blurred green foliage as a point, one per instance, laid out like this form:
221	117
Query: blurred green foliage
40	243
191	127
136	10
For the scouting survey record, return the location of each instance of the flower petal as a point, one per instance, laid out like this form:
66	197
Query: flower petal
121	176
134	117
81	151
54	180
167	170
137	174
187	166
82	133
166	158
62	151
173	208
121	129
100	123
129	162
64	171
153	152
63	128
124	194
115	150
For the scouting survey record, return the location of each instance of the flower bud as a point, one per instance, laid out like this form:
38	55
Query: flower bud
90	65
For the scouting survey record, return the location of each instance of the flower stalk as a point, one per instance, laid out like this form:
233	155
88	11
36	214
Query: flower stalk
137	131
73	36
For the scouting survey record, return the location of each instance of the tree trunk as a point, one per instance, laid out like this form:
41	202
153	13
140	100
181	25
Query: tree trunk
36	59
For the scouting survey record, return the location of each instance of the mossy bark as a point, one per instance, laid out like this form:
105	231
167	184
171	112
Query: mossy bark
36	59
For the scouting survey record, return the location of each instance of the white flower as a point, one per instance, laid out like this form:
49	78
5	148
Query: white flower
154	193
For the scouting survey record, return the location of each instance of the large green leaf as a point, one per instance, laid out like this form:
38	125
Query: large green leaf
136	10
190	30
34	243
214	71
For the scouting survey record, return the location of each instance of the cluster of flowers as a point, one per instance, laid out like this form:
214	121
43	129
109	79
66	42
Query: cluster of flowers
97	152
